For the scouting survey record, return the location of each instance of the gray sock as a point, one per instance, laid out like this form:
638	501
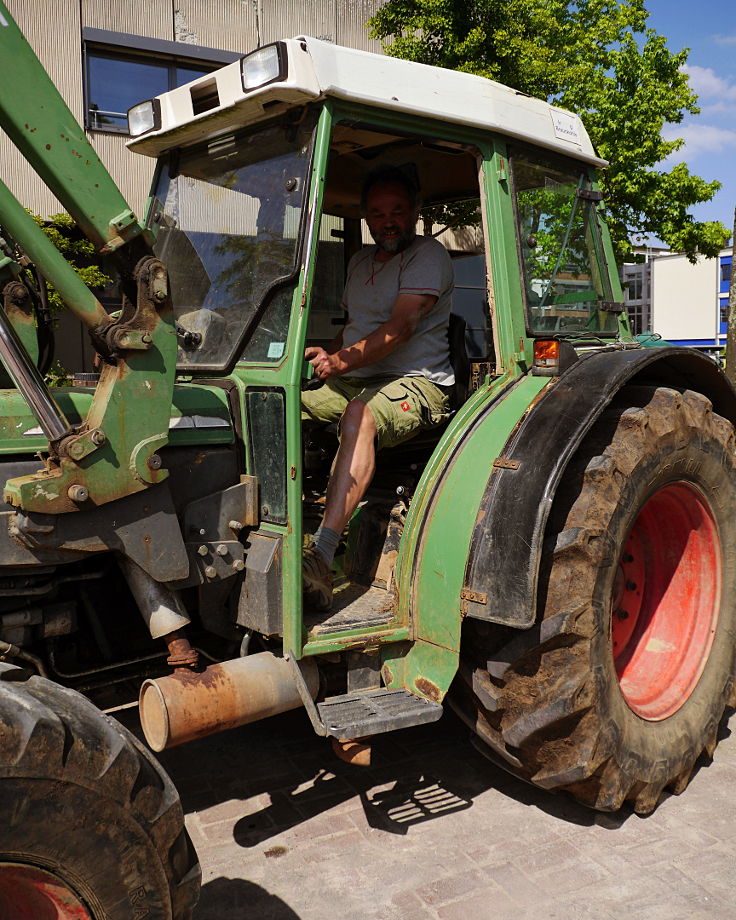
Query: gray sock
326	542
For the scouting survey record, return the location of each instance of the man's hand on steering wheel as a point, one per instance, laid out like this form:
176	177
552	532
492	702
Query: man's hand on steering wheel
325	365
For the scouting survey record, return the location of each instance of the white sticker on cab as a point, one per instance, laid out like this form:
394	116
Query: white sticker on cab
566	125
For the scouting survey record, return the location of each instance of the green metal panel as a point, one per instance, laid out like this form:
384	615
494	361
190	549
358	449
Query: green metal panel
294	635
624	327
199	416
436	540
514	348
17	419
39	123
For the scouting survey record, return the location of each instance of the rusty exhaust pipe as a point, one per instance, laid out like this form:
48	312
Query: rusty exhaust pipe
186	705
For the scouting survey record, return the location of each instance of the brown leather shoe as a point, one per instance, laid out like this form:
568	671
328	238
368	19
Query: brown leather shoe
316	579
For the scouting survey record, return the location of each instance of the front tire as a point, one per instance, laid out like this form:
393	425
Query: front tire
623	681
91	827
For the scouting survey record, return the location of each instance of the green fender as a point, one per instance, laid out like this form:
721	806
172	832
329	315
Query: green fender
473	540
436	541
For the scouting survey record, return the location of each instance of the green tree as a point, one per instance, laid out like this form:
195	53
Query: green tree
77	250
597	58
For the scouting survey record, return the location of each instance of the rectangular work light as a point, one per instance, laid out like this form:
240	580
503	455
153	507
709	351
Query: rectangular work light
144	117
267	65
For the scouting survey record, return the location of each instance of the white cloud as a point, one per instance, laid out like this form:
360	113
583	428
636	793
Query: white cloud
708	85
711	109
724	39
699	140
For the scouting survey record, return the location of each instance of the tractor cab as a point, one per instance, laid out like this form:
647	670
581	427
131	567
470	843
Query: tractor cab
256	210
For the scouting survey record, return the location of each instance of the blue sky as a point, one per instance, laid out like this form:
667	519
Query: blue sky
708	29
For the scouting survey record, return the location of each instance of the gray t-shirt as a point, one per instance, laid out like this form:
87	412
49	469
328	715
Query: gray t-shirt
372	287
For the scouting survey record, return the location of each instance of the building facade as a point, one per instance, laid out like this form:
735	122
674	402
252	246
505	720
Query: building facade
104	57
683	302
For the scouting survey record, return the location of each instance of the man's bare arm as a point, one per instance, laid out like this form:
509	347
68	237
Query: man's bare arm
398	328
336	344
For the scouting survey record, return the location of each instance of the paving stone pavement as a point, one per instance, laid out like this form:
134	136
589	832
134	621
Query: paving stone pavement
433	831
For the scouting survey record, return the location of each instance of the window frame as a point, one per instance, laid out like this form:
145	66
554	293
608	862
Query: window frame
476	144
170	162
517	149
120	46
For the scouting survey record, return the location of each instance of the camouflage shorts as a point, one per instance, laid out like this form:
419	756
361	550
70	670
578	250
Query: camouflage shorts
400	407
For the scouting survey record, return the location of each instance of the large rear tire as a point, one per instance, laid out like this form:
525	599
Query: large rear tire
91	827
624	679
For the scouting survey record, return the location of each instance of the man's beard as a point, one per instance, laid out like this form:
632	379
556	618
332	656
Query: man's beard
396	243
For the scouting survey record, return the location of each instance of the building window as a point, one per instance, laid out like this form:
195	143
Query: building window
122	70
725	270
115	83
635	285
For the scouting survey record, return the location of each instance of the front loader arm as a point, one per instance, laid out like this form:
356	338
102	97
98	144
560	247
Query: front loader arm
113	452
40	124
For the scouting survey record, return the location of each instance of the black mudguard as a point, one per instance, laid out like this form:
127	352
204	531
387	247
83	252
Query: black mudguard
506	547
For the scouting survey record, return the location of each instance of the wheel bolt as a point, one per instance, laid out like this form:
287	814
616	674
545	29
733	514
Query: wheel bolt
622	614
631	586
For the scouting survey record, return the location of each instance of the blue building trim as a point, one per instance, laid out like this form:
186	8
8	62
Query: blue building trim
724	285
695	343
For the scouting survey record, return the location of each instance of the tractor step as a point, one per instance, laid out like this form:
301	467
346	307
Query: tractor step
357	715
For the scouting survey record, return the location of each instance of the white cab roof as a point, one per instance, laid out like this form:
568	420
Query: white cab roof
319	69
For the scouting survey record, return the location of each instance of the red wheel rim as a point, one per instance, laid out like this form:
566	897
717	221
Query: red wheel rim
665	602
30	893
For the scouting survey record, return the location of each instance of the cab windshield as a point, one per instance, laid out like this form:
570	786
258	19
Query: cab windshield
229	216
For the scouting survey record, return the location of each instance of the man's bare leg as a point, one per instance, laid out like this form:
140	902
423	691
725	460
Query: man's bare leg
351	474
354	465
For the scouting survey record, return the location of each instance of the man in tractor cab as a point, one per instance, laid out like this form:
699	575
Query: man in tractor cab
387	374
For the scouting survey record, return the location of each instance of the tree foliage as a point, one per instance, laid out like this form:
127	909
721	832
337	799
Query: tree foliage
77	250
597	58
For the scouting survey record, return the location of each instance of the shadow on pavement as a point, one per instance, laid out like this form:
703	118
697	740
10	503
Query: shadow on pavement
417	775
285	775
236	899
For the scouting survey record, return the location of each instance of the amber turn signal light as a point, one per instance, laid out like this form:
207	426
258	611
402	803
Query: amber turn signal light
547	353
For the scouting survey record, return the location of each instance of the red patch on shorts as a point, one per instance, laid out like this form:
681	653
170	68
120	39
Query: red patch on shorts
405	406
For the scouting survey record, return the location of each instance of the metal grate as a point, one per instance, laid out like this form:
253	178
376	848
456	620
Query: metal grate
356	715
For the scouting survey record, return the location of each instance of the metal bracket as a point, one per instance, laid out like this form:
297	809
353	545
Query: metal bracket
589	194
501	463
82	445
478	597
610	306
301	685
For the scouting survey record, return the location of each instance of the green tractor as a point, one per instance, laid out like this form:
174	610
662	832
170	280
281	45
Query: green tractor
552	562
